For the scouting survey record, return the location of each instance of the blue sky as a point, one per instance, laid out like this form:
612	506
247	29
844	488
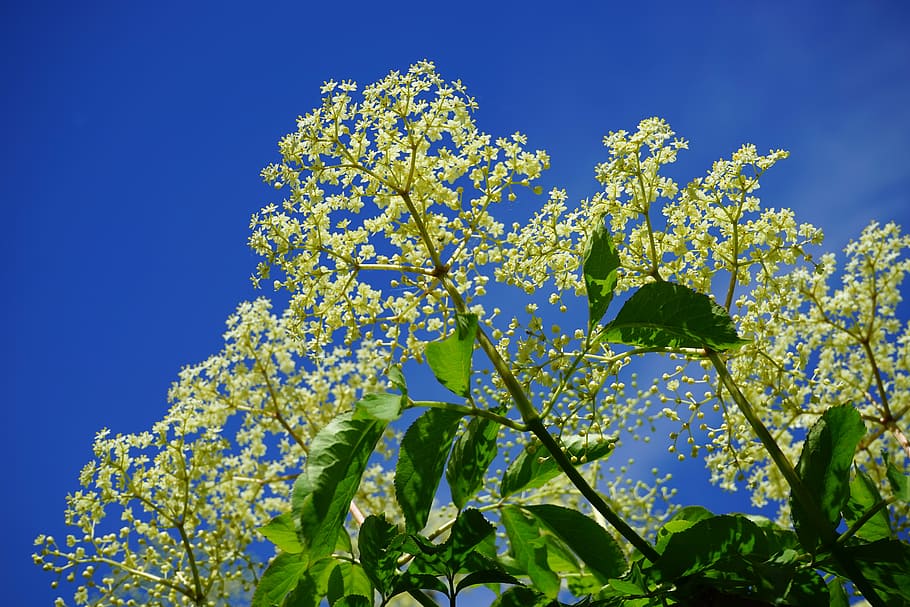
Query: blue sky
134	134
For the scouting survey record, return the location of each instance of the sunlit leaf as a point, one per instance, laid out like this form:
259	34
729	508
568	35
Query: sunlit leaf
383	406
450	358
473	452
864	496
282	532
899	481
668	315
322	494
534	465
529	549
601	262
588	540
707	542
421	460
824	468
279	578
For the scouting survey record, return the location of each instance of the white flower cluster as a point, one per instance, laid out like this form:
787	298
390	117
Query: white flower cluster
191	493
398	179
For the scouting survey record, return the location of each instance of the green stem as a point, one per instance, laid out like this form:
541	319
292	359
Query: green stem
865	518
590	494
800	494
531	418
471	411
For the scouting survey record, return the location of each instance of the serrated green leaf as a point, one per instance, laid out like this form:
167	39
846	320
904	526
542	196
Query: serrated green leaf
282	532
626	587
886	565
473	452
489	576
450	358
668	315
683	519
322	494
469	530
588	540
353	600
279	578
312	585
462	551
380	547
521	596
383	406
410	581
864	496
529	549
601	262
707	542
397	378
534	465
421	459
824	468
347	578
899	481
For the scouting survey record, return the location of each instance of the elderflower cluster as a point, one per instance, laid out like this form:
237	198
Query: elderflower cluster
394	181
169	516
817	344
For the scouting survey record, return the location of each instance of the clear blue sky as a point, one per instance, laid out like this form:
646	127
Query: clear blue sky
133	134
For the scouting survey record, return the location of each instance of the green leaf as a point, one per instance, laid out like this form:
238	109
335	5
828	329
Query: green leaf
380	547
353	600
474	451
312	585
384	406
900	482
837	595
886	565
322	494
281	532
864	496
534	465
824	468
487	576
601	262
450	358
346	579
421	459
279	578
469	530
668	315
520	596
459	553
707	542
626	587
683	519
591	542
530	549
397	378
